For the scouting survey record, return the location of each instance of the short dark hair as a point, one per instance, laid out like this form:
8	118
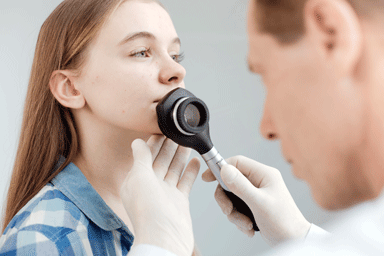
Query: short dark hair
284	19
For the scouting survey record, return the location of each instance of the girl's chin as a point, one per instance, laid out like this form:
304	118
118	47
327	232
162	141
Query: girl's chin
156	130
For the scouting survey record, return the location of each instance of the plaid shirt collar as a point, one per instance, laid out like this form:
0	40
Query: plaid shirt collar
73	184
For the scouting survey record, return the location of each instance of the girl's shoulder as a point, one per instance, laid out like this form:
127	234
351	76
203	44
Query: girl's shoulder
50	214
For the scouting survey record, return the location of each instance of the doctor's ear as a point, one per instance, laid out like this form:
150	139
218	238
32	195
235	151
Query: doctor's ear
333	27
64	90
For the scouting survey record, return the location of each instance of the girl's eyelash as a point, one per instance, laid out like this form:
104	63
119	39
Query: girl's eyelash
179	57
147	50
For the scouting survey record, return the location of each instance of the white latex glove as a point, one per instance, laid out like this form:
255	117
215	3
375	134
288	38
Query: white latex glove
263	189
155	194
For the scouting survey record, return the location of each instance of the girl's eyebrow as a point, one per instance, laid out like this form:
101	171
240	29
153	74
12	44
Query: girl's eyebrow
144	34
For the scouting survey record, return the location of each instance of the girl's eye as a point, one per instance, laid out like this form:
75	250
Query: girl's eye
141	54
178	57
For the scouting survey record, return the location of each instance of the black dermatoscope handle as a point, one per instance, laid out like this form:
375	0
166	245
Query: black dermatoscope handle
184	119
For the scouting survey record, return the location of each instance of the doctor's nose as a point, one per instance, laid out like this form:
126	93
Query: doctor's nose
171	72
267	128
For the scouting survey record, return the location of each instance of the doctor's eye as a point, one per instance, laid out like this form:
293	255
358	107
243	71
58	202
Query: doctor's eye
178	57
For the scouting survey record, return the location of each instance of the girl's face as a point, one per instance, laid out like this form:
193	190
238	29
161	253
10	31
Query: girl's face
130	66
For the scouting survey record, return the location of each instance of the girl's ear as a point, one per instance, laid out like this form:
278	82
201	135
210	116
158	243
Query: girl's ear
64	90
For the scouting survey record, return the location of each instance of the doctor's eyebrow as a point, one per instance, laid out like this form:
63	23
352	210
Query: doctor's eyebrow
144	34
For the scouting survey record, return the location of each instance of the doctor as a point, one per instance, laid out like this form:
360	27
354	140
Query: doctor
322	64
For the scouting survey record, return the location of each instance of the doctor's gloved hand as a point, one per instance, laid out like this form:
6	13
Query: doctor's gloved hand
263	189
155	194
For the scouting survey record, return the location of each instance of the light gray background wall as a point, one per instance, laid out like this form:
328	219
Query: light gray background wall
213	35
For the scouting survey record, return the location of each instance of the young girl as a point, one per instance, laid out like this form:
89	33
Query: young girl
100	67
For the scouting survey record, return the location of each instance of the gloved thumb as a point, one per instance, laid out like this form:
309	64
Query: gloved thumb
142	156
238	183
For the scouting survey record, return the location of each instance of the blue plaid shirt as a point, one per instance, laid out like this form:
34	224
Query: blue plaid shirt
67	217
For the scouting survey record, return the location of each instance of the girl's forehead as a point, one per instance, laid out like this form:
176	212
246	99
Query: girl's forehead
139	12
137	16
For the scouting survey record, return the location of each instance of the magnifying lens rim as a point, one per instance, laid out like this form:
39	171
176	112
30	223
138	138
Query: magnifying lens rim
174	115
204	115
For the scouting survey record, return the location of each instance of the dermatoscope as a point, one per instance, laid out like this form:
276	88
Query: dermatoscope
184	118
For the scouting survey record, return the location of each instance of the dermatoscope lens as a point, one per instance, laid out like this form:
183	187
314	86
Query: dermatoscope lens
192	115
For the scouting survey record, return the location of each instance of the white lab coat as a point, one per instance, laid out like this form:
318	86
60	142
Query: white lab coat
357	231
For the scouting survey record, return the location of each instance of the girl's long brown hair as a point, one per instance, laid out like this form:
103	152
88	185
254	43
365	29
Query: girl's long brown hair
48	129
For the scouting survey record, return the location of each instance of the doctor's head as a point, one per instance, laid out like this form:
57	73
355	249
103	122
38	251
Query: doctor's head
321	63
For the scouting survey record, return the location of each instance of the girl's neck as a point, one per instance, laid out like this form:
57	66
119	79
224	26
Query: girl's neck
105	158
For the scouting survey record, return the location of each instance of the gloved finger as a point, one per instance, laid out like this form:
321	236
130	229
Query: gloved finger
177	166
239	184
155	142
141	172
249	233
142	155
240	220
223	201
164	158
257	173
191	171
208	176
